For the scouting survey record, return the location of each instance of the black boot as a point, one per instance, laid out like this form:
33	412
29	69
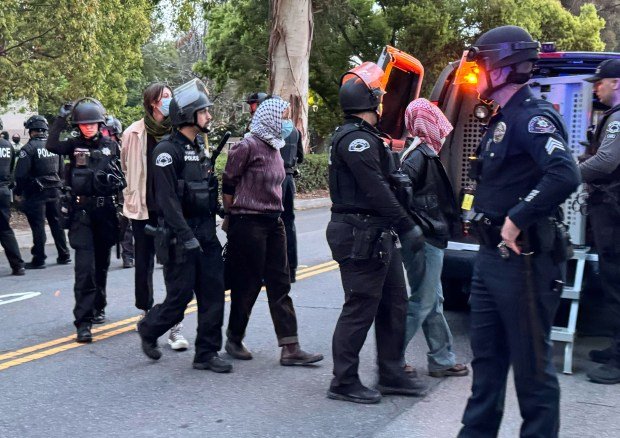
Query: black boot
35	264
608	374
150	348
99	317
18	271
357	394
404	386
214	363
64	260
83	333
601	356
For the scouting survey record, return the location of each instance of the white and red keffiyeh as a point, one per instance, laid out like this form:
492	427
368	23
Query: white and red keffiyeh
425	121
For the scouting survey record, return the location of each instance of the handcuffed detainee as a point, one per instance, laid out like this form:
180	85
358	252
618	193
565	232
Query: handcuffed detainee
524	172
366	218
93	181
186	194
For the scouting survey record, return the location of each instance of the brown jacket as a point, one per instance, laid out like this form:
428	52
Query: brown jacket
133	162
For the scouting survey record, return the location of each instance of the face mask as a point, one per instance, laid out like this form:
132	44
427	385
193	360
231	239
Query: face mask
287	128
165	106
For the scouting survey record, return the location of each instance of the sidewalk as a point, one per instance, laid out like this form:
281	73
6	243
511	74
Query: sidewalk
587	410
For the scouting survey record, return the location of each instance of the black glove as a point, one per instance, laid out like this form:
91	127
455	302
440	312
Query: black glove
191	244
65	110
413	239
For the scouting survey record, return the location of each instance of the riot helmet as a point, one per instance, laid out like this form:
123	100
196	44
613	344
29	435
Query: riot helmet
188	99
361	89
258	98
87	110
36	123
114	126
505	46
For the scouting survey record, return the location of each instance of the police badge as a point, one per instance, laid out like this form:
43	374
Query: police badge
106	151
499	132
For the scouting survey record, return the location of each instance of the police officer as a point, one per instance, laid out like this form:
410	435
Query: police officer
602	173
186	191
7	236
365	215
38	181
526	172
95	179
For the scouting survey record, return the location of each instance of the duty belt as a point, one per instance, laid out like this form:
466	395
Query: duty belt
362	220
94	201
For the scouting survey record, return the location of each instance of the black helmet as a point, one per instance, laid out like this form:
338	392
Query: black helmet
16	138
258	98
87	110
36	123
114	126
504	46
360	88
188	99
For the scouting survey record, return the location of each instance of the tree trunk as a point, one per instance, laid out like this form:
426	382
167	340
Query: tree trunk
289	55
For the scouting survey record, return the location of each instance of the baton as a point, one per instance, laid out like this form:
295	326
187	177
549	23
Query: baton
219	148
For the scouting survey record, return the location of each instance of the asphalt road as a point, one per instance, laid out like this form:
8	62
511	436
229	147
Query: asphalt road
52	386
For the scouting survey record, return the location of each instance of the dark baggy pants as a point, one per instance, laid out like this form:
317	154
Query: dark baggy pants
144	262
127	251
92	234
36	211
256	253
188	273
374	291
7	236
288	217
504	333
605	223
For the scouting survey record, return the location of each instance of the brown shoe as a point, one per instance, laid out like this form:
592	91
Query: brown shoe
292	354
458	370
237	350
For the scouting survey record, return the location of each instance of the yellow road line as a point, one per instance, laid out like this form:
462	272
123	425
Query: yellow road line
42	350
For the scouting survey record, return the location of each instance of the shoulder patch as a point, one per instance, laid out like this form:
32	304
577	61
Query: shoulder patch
358	145
163	159
613	127
22	154
553	144
541	125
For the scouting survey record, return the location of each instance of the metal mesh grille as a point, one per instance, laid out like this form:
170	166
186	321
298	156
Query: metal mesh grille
471	140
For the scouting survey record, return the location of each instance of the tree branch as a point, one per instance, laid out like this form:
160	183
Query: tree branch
4	51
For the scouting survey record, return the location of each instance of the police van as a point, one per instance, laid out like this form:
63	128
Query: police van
558	78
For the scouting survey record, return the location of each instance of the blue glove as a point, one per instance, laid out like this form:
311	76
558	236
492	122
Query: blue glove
413	238
65	110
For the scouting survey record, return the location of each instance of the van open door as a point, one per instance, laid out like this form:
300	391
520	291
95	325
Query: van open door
402	82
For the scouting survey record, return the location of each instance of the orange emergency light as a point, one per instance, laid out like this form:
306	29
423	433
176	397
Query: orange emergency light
467	73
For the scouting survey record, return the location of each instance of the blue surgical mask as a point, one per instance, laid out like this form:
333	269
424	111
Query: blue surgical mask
287	128
165	106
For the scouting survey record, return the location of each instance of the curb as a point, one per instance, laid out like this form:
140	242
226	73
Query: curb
307	204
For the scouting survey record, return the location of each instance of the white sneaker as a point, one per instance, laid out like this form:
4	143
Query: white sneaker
176	340
140	319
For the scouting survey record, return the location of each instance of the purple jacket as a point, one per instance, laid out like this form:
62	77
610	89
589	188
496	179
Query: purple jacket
254	174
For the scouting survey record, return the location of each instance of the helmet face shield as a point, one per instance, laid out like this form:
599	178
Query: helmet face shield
190	92
492	56
369	73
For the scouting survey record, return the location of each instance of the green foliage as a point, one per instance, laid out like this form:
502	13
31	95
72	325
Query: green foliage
61	50
314	174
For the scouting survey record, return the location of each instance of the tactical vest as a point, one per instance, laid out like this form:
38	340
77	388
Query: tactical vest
198	186
6	156
96	171
346	196
289	151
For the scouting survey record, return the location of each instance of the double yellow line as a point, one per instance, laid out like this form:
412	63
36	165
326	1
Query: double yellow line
55	346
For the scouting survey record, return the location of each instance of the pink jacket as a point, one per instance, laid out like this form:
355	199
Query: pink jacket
133	162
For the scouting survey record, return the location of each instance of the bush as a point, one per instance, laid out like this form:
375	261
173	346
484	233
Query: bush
314	175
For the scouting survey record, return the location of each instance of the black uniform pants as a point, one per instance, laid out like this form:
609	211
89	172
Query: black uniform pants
256	253
605	222
92	234
374	291
7	236
188	273
510	326
126	238
288	217
36	211
144	262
